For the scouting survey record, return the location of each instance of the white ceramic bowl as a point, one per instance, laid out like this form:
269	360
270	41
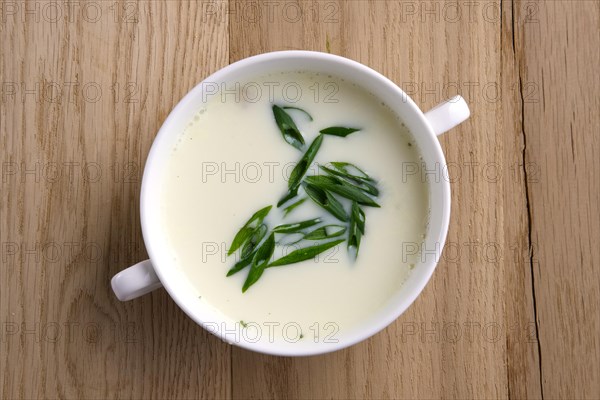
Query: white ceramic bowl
159	271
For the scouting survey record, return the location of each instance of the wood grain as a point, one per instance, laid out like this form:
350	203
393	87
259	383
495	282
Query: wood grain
511	311
562	143
67	228
424	353
522	351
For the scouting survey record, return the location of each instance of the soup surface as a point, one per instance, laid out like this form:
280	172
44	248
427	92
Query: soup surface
232	160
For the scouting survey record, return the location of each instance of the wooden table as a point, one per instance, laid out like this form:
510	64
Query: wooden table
512	309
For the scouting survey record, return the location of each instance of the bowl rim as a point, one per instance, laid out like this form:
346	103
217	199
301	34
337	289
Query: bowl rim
148	185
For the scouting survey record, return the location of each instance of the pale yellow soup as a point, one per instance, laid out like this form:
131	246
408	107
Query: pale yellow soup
232	160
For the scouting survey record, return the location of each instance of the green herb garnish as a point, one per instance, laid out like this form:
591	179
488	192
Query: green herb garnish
341	180
325	232
356	229
365	185
255	239
300	169
248	229
240	265
291	207
304	254
338	131
243	324
326	200
347	169
288	128
299	109
290	195
260	261
297	226
341	187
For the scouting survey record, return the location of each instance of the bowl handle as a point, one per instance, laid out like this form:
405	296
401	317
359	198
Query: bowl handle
448	114
135	281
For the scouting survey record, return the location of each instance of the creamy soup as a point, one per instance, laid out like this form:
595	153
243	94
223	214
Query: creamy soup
232	160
